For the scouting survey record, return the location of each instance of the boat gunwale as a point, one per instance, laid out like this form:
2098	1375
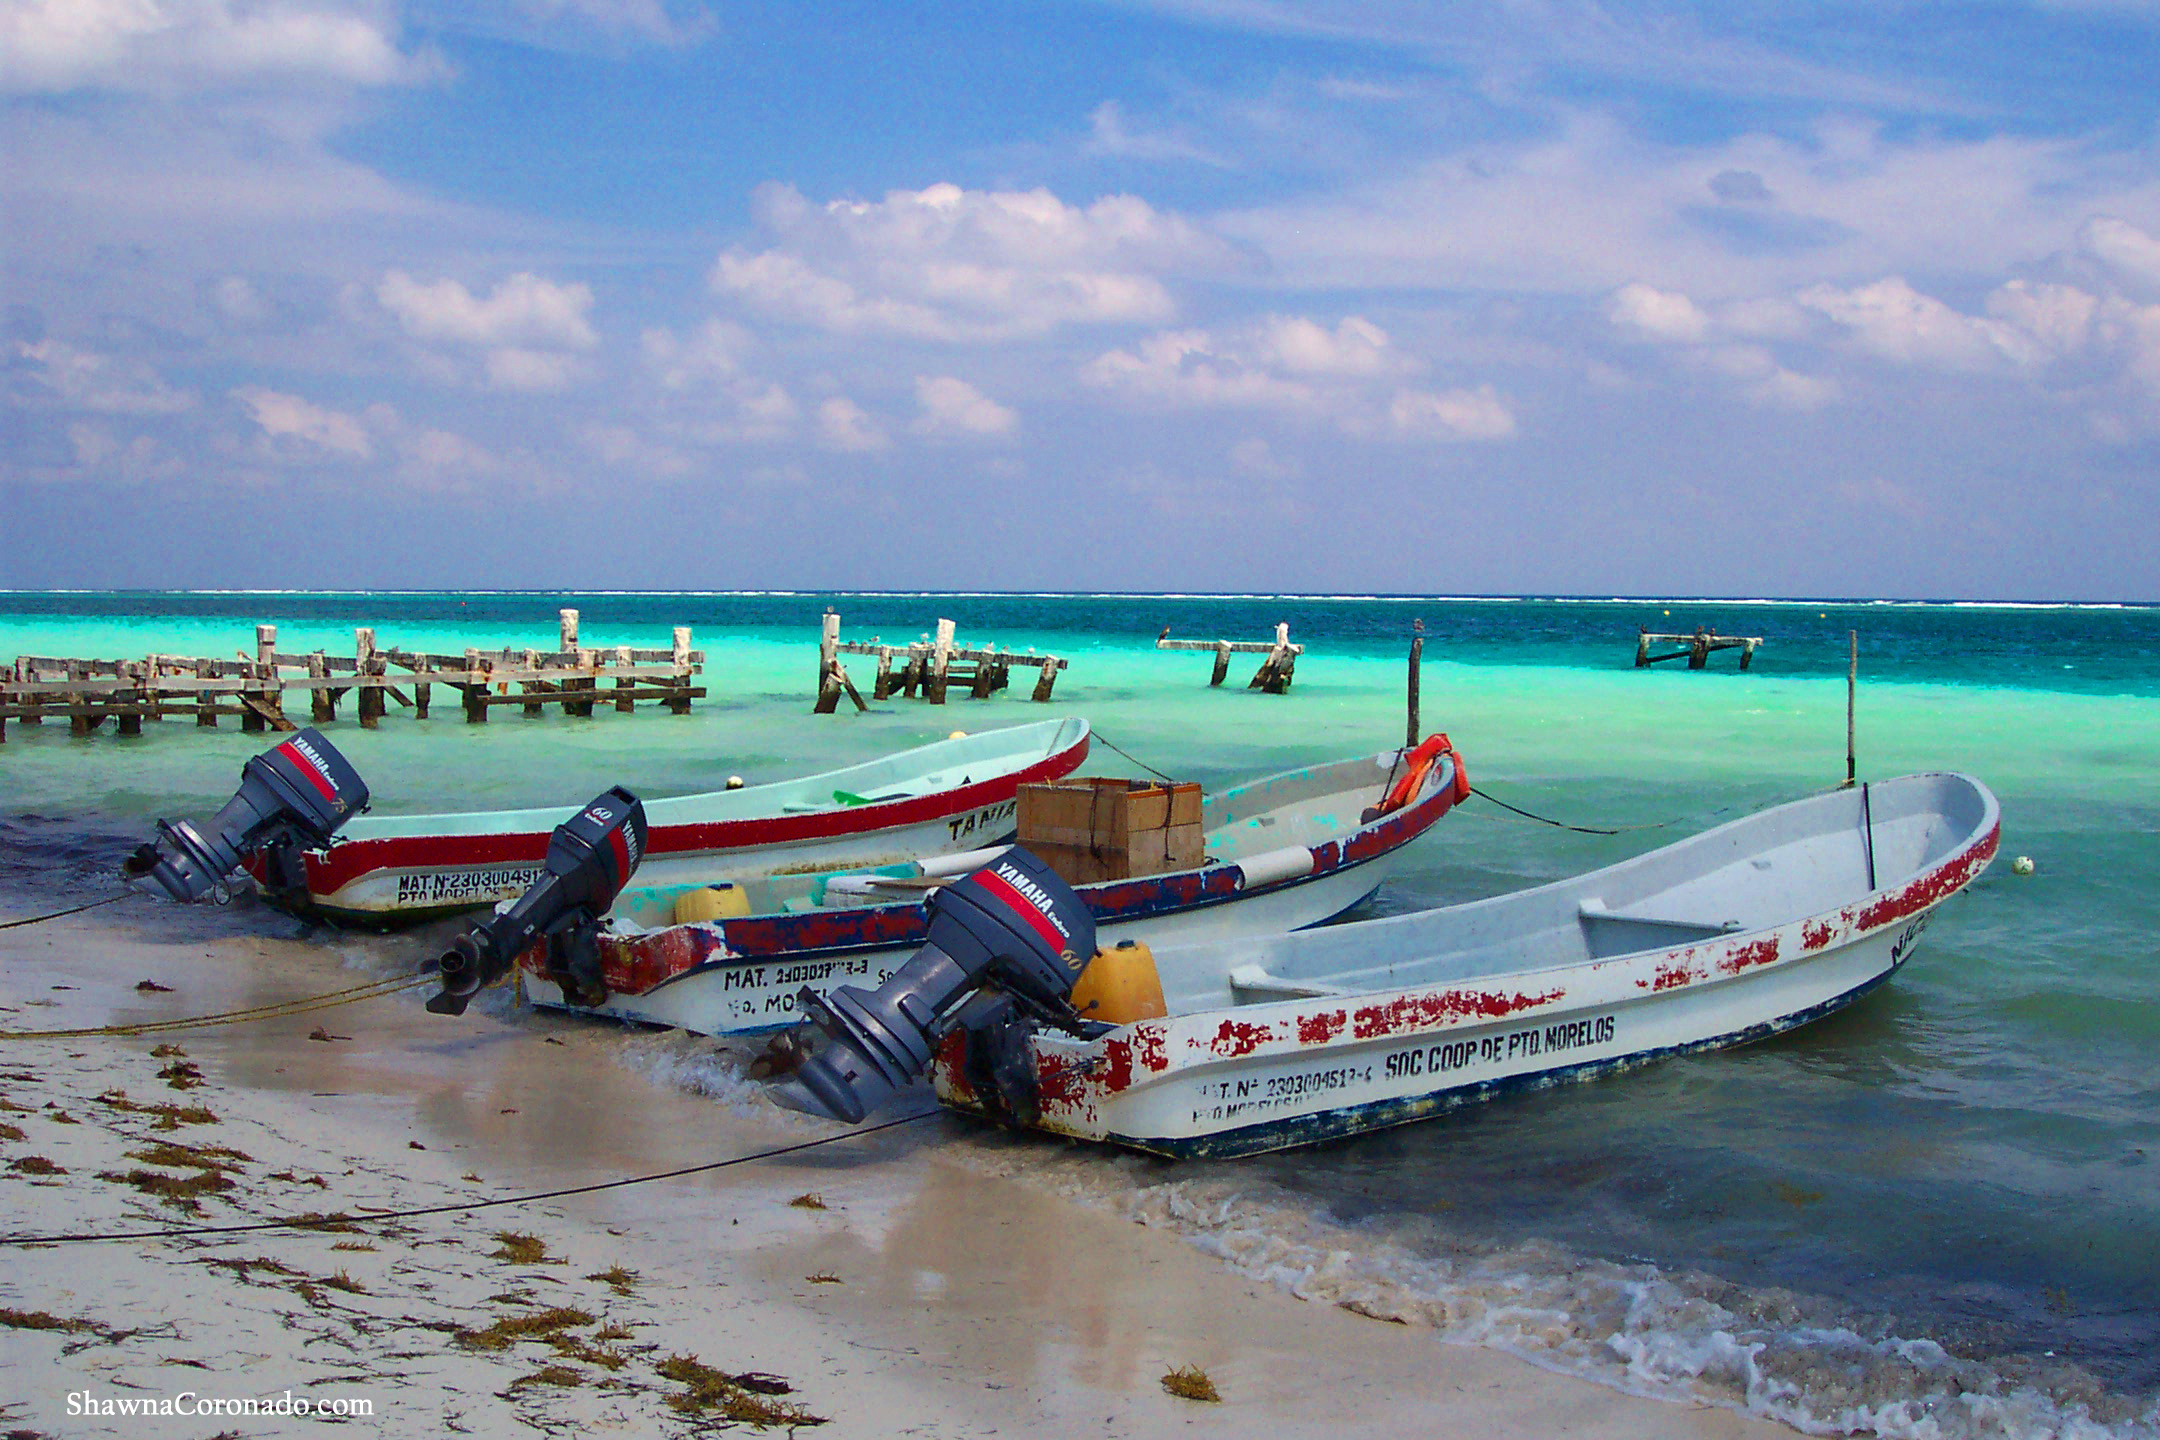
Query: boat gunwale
346	860
1398	828
1177	1046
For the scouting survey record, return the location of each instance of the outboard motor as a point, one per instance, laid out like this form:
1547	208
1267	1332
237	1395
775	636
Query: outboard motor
589	859
291	800
1005	944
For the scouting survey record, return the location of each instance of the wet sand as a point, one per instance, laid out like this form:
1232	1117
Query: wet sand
928	1296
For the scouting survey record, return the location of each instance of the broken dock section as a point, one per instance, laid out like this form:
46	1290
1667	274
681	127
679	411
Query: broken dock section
1697	647
1273	676
90	692
925	669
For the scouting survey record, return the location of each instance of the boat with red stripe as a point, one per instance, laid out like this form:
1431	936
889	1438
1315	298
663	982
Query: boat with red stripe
1736	934
952	795
1285	852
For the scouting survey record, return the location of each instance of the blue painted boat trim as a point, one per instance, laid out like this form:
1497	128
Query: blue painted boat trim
762	939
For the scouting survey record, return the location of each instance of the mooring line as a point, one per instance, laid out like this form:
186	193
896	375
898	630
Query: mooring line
1626	829
58	914
278	1010
342	1218
1562	824
1134	758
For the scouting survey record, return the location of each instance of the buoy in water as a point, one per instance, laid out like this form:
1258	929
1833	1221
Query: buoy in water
2022	865
734	782
957	735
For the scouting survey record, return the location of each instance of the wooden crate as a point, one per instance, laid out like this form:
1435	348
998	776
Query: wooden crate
1092	829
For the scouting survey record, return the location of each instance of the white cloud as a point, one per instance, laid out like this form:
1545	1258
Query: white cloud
1657	314
621	448
292	424
54	373
1720	340
714	353
1257	458
1109	133
238	300
1897	322
951	406
1586	205
1193	368
513	367
527	327
843	426
100	454
945	263
1350	376
1301	346
61	45
1478	414
2130	253
2060	318
708	391
524	310
441	453
1764	381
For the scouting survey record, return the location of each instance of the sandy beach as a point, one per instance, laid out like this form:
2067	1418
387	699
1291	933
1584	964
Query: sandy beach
890	1283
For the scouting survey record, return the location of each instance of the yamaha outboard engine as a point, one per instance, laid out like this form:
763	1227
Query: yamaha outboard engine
1012	937
589	859
291	800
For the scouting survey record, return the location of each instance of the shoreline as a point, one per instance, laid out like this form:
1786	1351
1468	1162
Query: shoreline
959	1302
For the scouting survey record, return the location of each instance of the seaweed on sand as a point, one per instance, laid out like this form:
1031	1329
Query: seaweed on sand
539	1325
519	1248
744	1398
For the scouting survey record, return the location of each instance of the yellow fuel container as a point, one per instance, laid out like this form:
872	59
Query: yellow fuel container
723	901
1120	986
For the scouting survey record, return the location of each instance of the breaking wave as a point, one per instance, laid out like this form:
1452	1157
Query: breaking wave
1679	1335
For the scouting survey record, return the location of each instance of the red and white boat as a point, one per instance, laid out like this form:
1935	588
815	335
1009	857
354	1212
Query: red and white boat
937	799
1281	854
1735	934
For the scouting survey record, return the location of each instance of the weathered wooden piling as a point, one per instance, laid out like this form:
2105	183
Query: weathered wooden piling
832	675
1417	664
1697	647
89	692
927	668
1275	672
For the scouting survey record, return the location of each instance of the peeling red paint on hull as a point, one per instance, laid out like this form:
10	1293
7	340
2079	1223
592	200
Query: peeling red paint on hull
1280	1073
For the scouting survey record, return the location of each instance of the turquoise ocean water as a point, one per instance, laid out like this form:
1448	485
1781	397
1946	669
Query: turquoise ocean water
1939	1209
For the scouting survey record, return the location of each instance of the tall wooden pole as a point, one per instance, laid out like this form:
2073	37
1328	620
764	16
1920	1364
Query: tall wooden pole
1417	657
1852	689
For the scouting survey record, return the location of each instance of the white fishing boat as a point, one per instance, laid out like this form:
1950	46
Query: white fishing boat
1280	854
1735	934
936	799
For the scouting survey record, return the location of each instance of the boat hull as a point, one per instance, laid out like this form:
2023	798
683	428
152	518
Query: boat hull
1254	1078
727	994
409	878
746	975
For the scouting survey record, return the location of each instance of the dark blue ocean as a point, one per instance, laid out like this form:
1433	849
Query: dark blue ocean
1937	1213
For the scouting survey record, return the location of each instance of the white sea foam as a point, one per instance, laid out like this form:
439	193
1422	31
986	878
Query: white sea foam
1675	1335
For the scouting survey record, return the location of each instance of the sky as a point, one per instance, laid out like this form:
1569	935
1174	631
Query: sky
1755	297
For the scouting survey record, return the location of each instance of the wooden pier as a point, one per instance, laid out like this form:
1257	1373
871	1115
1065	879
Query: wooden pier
926	668
1697	648
90	692
1273	676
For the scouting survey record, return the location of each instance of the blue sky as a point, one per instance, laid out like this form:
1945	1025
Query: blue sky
1747	298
